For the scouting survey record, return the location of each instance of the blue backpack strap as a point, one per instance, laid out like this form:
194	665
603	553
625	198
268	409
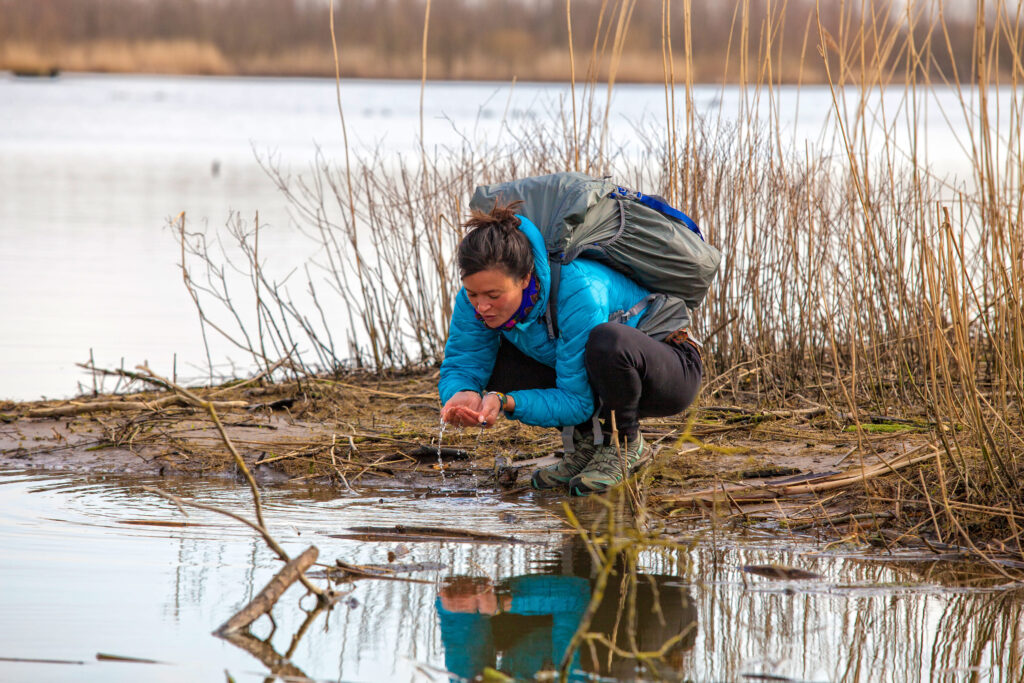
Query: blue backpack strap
658	204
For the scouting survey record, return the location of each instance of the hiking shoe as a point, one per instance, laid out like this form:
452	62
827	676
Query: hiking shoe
560	474
605	470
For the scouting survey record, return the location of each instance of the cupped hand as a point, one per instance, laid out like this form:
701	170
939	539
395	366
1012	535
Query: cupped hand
462	409
469	595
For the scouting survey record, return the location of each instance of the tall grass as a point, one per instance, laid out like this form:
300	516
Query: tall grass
857	275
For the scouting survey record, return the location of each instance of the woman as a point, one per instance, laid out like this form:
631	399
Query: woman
500	358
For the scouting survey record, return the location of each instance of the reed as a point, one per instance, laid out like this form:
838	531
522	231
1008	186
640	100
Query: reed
857	276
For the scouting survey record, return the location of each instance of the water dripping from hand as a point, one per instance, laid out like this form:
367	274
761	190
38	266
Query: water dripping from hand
440	437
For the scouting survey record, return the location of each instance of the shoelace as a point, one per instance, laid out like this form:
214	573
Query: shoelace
606	461
577	460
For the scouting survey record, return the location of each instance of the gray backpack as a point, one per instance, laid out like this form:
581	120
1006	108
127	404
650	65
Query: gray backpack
639	235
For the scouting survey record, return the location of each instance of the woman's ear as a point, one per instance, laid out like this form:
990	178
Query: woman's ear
524	283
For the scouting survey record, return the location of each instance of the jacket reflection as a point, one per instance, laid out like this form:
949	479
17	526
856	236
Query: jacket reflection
524	624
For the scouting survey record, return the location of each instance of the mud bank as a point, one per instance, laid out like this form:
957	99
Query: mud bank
368	432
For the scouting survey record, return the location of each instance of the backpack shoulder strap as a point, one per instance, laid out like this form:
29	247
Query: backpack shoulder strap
551	314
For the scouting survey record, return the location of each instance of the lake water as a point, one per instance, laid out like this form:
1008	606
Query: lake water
93	167
76	581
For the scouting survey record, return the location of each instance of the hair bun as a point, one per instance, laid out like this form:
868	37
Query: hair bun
502	216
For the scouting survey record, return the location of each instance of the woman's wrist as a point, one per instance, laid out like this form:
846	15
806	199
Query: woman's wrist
506	403
502	398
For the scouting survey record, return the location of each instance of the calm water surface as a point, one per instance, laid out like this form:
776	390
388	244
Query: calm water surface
92	168
75	581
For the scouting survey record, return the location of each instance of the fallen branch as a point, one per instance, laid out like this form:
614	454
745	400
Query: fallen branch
770	491
422	533
113	406
844	519
122	373
268	597
376	392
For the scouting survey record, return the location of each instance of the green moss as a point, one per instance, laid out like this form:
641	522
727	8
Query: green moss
885	428
725	450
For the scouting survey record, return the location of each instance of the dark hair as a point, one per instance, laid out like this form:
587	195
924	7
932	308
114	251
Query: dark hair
495	241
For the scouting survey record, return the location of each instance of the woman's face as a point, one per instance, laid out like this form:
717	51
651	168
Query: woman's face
494	294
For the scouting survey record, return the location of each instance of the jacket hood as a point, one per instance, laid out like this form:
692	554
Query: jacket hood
541	268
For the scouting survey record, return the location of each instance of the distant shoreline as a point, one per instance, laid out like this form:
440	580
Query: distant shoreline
186	57
56	72
60	73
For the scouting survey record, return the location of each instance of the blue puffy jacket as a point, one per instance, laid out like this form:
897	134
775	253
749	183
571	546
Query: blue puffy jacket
588	294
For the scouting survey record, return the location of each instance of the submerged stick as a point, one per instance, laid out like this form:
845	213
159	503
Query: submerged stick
268	597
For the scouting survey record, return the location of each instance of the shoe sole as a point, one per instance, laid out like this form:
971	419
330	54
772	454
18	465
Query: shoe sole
533	483
548	487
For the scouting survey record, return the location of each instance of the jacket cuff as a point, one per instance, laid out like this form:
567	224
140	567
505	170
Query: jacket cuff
518	410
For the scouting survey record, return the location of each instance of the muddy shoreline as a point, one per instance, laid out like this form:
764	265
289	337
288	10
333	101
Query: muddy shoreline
367	432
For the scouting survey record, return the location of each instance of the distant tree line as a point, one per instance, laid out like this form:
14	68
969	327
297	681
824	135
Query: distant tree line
497	39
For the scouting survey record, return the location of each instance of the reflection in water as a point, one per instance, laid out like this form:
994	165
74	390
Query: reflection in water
524	624
278	664
161	590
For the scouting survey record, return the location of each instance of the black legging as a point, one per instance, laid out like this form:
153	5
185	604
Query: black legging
629	372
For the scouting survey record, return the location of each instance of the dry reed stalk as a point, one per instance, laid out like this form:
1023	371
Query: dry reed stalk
423	78
574	145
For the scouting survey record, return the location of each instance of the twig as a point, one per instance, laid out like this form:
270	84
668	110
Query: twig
266	598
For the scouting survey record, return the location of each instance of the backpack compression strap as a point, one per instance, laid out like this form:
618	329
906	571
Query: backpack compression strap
658	204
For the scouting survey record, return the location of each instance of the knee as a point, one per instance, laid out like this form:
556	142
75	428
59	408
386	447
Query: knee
604	343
